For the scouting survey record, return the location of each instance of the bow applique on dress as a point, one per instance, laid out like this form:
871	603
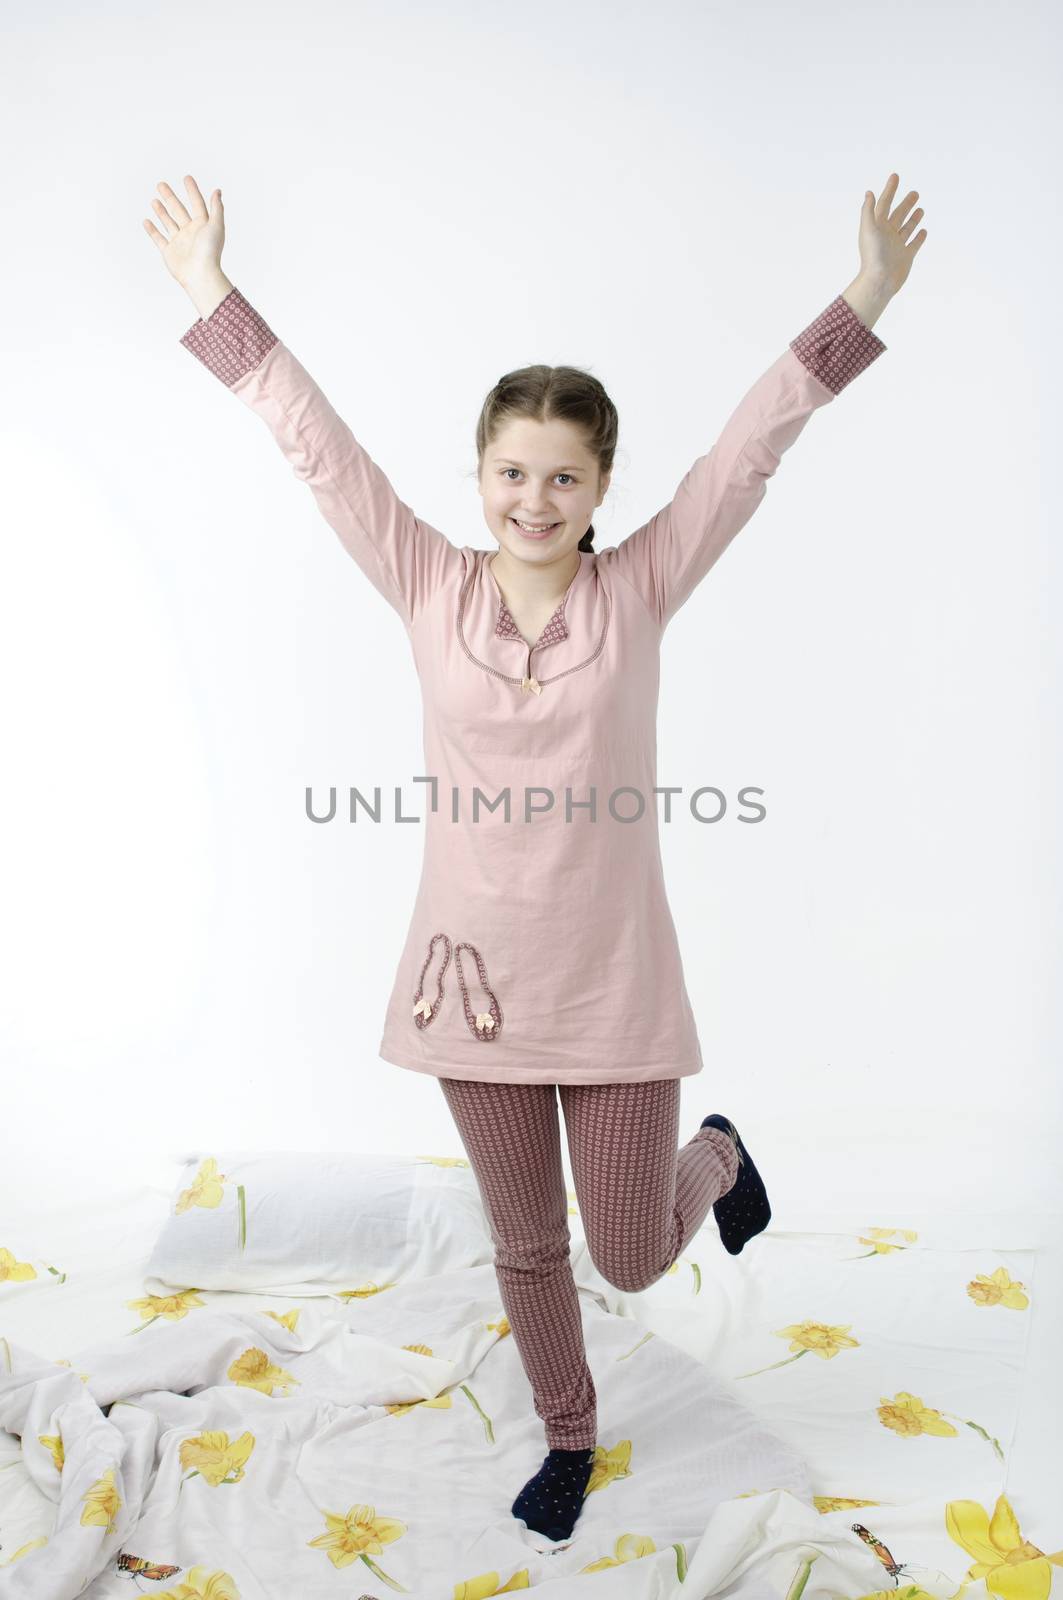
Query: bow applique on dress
530	684
424	1010
485	1026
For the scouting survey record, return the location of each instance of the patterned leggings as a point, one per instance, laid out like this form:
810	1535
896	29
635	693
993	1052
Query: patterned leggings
640	1201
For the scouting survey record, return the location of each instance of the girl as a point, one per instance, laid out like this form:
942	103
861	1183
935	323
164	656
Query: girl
542	884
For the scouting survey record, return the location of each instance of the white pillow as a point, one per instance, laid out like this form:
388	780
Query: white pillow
317	1222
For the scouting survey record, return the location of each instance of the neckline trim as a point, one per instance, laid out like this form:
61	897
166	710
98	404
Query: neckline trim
584	567
556	625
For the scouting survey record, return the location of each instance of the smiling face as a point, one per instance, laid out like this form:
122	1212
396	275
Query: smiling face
540	472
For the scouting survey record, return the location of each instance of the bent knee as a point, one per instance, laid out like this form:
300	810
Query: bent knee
626	1274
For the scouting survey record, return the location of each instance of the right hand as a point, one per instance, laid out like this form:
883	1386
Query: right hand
193	244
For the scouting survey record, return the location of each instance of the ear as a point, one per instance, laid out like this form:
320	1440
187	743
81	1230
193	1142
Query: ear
602	488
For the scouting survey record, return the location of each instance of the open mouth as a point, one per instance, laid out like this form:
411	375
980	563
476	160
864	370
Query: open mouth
534	533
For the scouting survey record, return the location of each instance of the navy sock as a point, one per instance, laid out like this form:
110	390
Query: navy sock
551	1501
744	1211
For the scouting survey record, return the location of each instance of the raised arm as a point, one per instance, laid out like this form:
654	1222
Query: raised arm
402	556
668	556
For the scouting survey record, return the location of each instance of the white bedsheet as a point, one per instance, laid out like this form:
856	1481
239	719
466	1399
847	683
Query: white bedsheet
374	1440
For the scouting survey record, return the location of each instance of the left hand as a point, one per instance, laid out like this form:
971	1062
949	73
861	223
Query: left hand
885	254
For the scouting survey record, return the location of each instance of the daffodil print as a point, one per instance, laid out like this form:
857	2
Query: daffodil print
998	1289
629	1547
212	1457
364	1293
489	1583
1010	1566
289	1319
810	1338
207	1189
879	1240
171	1306
199	1584
840	1502
102	1503
53	1443
255	1370
13	1270
909	1416
358	1535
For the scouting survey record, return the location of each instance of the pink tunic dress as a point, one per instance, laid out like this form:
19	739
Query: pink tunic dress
541	947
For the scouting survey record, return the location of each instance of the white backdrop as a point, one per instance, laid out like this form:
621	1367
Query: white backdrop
185	645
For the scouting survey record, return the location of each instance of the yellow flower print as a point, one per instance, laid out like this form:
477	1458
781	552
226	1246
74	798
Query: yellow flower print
254	1370
608	1466
487	1584
501	1327
439	1402
206	1188
54	1443
101	1503
211	1456
289	1320
359	1535
14	1271
24	1550
364	1294
879	1247
629	1547
1012	1567
998	1289
446	1161
839	1502
201	1585
907	1415
171	1306
821	1339
908	1234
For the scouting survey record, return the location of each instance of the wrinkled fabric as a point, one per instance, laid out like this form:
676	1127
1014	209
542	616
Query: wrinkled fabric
541	947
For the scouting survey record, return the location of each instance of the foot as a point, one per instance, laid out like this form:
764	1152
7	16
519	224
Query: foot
744	1210
550	1502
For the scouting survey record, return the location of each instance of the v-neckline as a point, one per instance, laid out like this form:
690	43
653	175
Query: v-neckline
504	611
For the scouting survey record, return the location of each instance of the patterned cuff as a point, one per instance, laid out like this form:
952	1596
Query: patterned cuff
232	340
837	346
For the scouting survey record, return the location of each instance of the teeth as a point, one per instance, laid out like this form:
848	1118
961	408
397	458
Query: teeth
530	529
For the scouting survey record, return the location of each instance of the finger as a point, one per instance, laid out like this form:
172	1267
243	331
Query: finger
156	235
197	202
172	200
910	224
899	211
886	195
164	216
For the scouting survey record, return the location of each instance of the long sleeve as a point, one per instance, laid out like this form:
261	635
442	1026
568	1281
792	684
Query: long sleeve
667	558
402	556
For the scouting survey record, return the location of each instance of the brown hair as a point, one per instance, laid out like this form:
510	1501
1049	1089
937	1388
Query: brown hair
548	394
